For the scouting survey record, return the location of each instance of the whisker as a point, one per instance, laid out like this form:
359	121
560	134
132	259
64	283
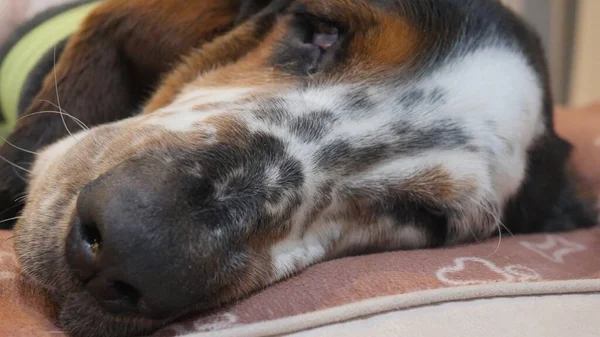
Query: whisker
499	241
75	119
17	204
14	165
11	219
16	147
57	96
20	198
78	121
497	220
464	215
19	175
506	228
51	103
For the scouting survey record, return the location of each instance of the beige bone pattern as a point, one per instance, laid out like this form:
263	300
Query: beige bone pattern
554	248
455	274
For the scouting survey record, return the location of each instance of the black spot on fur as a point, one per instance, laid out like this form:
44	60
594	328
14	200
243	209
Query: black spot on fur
473	148
313	126
334	154
446	134
436	96
242	185
404	209
344	156
359	103
410	140
412	98
291	178
432	220
291	175
273	111
241	169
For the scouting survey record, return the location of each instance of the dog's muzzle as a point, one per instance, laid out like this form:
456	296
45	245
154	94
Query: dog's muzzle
122	245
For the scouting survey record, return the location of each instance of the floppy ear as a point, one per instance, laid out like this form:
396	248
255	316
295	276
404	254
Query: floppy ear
108	68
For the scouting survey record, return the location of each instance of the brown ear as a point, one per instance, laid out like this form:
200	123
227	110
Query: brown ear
106	72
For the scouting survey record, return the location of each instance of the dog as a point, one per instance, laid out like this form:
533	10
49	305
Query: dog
198	151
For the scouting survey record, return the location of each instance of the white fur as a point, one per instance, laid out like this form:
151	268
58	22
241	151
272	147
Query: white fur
51	153
493	85
191	97
496	85
183	121
188	116
295	253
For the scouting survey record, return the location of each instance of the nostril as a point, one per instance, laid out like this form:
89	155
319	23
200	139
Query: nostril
116	297
92	237
127	292
83	249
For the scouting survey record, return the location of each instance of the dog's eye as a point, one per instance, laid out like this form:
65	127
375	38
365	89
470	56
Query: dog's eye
325	36
310	46
318	32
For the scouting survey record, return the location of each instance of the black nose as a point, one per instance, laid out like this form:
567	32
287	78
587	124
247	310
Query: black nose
120	244
87	255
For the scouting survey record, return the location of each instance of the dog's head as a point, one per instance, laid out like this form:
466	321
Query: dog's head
310	129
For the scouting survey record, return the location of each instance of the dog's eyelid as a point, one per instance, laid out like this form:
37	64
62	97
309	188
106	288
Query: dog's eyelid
317	20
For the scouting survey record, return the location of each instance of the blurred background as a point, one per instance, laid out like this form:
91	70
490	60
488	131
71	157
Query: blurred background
570	31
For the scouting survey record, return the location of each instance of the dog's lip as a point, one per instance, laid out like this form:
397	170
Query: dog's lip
58	297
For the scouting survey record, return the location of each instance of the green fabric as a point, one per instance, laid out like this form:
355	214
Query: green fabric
24	56
4	132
